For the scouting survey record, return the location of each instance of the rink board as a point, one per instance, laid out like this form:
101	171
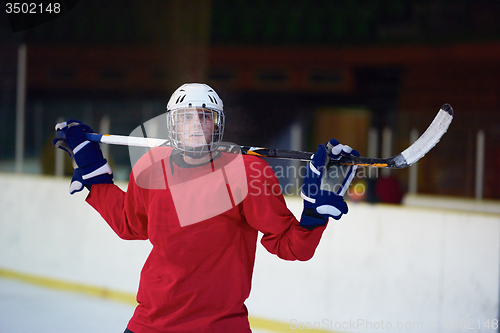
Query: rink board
401	266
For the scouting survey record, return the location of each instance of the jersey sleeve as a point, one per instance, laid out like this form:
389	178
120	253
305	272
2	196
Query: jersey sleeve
123	211
265	210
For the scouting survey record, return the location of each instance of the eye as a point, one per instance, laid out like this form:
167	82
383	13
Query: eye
205	117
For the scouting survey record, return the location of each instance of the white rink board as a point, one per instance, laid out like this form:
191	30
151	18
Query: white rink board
47	232
379	265
385	266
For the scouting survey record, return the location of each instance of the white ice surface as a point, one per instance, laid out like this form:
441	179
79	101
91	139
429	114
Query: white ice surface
26	308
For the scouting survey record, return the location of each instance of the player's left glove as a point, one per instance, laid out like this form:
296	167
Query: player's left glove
91	167
322	202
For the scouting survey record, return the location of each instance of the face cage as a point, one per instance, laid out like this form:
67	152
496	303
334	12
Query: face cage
179	127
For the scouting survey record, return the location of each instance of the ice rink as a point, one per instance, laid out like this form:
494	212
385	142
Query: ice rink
418	263
26	308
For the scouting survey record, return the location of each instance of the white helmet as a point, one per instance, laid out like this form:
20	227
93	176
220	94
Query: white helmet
204	135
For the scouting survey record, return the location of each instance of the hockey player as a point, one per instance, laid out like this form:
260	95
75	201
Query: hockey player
198	274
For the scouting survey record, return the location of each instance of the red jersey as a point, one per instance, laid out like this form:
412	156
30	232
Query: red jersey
199	272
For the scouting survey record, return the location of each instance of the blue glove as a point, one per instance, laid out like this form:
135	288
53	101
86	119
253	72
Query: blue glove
338	177
90	165
321	199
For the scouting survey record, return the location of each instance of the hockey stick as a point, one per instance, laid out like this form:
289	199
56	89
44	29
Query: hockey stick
410	155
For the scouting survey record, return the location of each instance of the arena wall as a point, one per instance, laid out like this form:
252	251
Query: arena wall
381	267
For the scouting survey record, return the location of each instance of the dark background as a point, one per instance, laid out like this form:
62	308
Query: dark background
274	64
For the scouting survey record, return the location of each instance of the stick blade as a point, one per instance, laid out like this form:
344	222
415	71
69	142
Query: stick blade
428	139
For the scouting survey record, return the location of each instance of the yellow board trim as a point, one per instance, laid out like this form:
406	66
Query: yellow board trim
281	327
129	298
51	283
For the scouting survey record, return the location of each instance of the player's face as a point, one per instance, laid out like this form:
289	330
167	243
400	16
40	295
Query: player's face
195	126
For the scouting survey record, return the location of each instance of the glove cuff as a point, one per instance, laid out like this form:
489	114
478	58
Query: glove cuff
310	219
76	184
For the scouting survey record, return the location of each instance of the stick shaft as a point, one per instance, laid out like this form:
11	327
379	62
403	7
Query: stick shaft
245	150
125	140
406	158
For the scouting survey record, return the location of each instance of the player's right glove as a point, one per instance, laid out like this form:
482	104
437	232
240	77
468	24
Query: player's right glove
320	204
91	167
